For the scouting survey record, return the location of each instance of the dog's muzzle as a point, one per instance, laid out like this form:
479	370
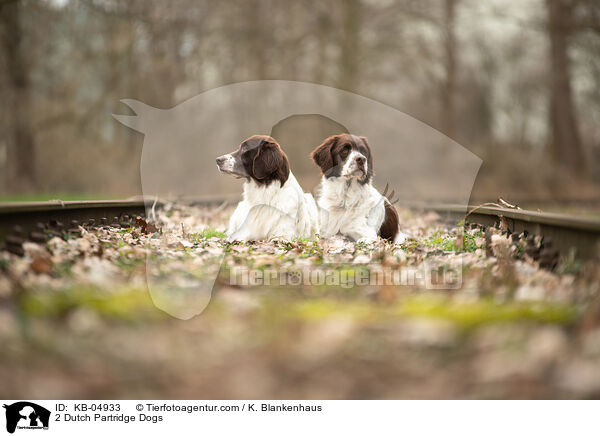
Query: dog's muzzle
225	163
360	163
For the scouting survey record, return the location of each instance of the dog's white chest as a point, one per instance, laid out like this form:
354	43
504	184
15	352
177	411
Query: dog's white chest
347	206
273	211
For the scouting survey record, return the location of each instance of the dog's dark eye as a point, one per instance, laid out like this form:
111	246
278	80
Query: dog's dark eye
345	150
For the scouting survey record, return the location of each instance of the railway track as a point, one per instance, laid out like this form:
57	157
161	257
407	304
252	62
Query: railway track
564	231
33	220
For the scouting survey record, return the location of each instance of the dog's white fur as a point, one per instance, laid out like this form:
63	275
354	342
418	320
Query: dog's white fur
349	208
274	212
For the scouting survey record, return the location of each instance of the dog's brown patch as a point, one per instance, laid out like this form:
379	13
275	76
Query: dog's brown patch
389	227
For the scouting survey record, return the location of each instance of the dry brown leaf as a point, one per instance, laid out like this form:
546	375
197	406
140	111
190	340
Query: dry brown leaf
41	264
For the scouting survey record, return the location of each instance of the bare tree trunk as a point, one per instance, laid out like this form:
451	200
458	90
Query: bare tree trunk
565	142
449	87
323	34
256	40
21	168
166	67
350	52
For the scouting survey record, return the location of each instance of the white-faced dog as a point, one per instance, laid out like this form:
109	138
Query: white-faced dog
273	205
348	203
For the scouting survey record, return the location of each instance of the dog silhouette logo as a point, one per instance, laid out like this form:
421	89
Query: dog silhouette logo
180	144
26	415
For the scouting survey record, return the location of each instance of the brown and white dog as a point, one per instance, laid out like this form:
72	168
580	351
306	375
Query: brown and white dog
273	205
348	202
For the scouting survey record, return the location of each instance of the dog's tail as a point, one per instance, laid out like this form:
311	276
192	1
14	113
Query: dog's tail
390	229
389	197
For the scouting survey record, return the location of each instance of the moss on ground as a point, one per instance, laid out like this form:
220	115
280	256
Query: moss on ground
125	304
464	315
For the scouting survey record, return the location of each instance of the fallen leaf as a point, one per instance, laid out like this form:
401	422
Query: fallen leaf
41	264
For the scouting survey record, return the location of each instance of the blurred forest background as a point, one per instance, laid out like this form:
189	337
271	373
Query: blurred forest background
516	82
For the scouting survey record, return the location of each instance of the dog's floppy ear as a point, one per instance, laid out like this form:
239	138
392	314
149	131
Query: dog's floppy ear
322	155
369	157
267	161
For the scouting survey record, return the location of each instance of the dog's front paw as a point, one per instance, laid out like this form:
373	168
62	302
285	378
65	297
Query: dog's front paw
401	238
366	240
237	237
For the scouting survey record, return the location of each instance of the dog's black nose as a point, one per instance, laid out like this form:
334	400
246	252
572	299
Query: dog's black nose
220	160
360	161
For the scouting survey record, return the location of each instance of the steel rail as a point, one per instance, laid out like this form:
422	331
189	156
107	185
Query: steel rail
565	231
27	216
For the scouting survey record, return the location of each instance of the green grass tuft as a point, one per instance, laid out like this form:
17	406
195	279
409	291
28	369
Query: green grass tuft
207	234
442	241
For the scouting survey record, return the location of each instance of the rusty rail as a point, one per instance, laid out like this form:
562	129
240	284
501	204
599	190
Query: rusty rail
565	231
31	217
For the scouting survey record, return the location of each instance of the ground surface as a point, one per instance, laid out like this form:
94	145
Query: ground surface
77	319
